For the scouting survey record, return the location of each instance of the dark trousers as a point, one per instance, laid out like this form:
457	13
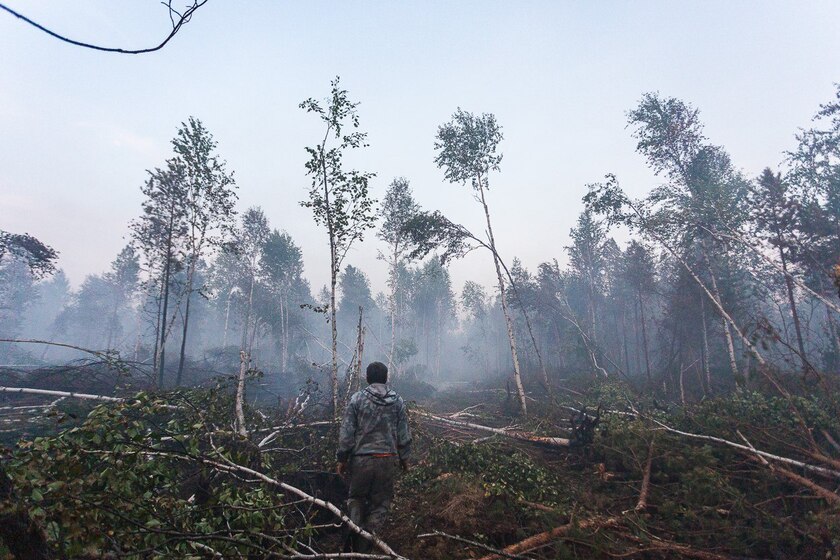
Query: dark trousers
371	491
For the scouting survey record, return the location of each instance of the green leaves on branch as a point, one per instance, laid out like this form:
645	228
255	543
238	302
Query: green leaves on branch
467	148
430	231
339	198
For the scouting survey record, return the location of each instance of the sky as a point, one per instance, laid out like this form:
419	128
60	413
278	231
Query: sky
79	128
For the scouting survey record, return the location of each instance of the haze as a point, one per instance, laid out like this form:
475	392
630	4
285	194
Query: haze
80	128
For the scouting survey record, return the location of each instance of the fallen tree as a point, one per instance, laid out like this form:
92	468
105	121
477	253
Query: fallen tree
506	432
66	394
551	535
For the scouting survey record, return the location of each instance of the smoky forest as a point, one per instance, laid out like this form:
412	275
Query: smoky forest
666	385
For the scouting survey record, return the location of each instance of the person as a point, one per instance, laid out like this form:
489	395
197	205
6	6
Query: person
374	441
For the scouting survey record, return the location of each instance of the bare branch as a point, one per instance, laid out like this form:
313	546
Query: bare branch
176	26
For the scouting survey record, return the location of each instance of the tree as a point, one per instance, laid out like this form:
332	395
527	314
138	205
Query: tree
249	245
467	152
122	280
587	258
610	200
638	271
815	171
208	209
17	294
433	304
703	196
355	293
397	210
40	258
87	319
281	267
354	286
475	304
776	215
338	197
53	297
159	234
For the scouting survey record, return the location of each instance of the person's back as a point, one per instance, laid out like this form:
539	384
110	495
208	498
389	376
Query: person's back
374	439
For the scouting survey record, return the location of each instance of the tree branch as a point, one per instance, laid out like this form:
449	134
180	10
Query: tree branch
182	20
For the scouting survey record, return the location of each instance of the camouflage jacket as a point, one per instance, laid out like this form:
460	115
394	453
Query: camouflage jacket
375	421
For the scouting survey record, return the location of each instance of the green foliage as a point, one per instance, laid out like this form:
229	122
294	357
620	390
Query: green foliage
467	148
39	258
338	197
498	470
129	479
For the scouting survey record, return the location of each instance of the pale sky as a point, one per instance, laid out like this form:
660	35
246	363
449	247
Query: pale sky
79	128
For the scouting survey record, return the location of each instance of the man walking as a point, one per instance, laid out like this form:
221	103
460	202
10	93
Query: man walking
374	439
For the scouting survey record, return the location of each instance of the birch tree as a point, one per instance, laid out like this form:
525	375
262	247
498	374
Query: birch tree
398	207
815	172
703	189
159	235
467	151
208	209
250	242
281	267
338	197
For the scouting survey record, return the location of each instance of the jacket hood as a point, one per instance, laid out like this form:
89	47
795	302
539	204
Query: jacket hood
380	394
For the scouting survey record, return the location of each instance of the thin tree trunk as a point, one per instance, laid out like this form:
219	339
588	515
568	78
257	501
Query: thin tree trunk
561	356
284	334
624	339
241	429
333	281
163	329
137	339
706	366
112	324
636	339
227	318
392	303
439	334
730	346
255	321
592	320
644	336
360	350
182	357
508	323
334	373
287	336
833	335
247	324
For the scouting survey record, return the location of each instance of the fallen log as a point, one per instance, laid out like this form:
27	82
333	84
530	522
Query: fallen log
547	537
824	493
28	391
469	542
681	549
829	473
514	434
641	505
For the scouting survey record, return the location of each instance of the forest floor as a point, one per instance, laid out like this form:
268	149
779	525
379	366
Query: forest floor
629	487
